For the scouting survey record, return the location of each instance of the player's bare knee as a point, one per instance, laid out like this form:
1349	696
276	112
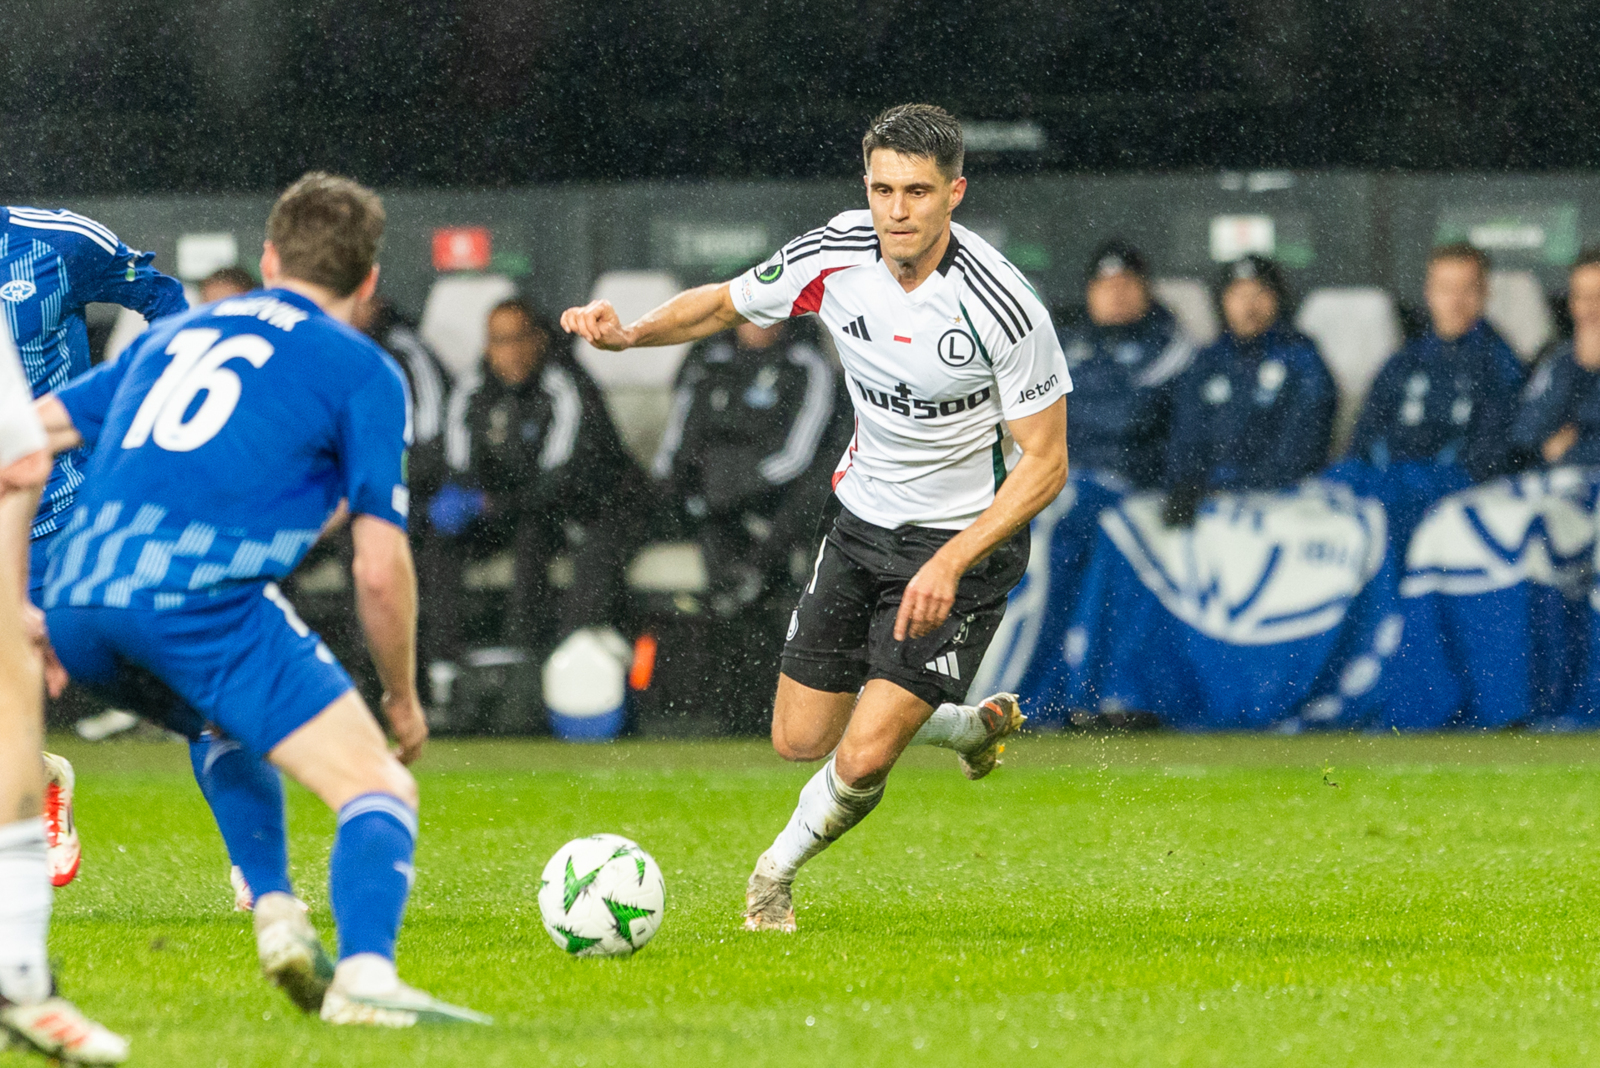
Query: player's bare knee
401	783
796	749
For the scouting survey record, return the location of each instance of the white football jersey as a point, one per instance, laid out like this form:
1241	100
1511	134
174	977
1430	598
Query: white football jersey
934	374
20	432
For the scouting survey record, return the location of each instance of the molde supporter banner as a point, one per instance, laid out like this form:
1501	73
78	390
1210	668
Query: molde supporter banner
1495	595
1028	642
1252	618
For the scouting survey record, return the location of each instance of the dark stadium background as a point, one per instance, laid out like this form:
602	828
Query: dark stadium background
244	94
688	138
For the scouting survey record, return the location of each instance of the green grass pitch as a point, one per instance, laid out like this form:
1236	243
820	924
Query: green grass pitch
1142	900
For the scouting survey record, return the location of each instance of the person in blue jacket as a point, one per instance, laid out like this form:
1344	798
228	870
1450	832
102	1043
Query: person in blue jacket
1124	356
1255	409
1448	396
1559	418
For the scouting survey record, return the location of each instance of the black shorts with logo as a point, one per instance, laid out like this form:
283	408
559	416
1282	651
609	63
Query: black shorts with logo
842	633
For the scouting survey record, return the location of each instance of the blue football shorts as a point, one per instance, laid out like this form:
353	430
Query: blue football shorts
243	661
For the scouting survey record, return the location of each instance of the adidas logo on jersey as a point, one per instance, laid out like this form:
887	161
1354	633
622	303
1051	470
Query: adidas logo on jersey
902	402
858	328
945	665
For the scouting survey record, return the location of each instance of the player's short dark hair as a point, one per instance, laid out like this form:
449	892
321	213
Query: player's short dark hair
1589	257
922	130
327	231
237	277
1462	250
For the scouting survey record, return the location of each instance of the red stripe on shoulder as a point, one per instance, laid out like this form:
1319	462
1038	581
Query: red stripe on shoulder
810	299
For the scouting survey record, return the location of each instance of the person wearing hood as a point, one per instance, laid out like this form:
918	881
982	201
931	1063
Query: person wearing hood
1254	411
1449	396
1124	356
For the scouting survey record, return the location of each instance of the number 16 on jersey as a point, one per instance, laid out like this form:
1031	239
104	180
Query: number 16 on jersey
196	367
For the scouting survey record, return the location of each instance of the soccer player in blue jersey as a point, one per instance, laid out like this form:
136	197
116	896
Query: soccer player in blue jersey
52	264
226	439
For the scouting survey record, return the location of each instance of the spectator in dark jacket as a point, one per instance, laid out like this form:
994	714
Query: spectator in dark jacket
758	422
324	598
1559	420
1449	395
536	467
1255	409
1124	357
429	385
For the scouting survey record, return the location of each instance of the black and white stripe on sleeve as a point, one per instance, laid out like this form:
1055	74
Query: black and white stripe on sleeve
457	435
427	385
566	417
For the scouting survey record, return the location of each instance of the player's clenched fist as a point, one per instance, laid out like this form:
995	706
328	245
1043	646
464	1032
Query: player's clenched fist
597	323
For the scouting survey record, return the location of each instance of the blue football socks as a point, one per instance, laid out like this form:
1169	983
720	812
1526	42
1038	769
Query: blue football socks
370	873
246	797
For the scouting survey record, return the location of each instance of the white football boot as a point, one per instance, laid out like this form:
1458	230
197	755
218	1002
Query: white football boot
367	992
768	902
244	899
55	1028
291	954
1003	718
60	831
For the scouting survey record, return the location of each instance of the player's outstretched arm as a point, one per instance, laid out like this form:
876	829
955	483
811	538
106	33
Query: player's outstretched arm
689	316
1036	480
386	601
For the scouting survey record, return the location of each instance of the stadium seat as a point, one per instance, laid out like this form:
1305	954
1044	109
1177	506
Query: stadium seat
669	567
1190	301
1518	309
454	319
637	385
1357	328
497	572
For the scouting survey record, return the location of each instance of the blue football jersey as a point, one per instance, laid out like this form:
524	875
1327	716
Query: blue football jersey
52	263
223	440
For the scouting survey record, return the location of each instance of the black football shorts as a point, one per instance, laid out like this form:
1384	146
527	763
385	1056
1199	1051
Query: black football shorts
842	632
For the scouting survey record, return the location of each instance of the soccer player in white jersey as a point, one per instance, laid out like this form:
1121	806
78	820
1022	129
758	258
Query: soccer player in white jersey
30	1012
959	387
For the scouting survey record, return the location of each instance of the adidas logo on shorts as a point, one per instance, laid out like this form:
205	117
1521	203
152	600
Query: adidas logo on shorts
945	664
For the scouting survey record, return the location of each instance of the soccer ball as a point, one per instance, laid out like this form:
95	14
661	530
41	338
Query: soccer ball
602	896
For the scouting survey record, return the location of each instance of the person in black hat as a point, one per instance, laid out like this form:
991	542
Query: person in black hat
1255	409
1124	355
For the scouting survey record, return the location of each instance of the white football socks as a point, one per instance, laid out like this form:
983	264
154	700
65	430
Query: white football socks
951	726
827	809
366	975
24	912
